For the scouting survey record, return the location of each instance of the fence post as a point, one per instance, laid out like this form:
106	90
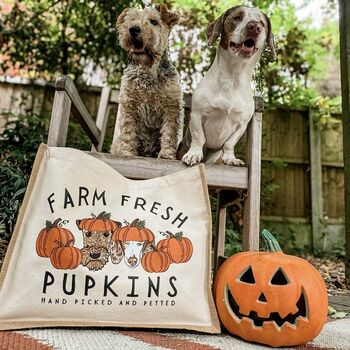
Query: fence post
344	29
316	182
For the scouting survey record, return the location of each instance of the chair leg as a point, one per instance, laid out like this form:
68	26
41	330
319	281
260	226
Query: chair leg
252	203
220	232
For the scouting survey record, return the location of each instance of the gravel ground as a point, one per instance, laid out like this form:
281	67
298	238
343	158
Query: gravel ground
333	272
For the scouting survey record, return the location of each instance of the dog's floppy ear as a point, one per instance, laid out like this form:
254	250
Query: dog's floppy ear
78	224
116	250
121	17
169	17
215	28
148	247
270	41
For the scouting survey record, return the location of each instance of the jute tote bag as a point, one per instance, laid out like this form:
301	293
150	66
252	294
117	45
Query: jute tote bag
92	248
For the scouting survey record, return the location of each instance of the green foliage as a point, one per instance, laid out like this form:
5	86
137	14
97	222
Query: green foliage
49	37
18	145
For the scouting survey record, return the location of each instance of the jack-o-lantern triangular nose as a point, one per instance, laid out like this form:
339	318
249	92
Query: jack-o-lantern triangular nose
262	298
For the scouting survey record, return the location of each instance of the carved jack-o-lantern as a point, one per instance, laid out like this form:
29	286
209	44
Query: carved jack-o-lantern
270	297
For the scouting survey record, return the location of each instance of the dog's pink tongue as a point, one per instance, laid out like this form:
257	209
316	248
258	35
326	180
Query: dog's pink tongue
246	50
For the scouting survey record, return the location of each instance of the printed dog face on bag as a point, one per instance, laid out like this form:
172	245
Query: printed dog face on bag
94	248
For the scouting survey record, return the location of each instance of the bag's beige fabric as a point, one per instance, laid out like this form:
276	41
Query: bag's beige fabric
67	267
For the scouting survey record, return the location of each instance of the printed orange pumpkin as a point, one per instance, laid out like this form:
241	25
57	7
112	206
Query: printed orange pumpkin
65	257
270	297
156	261
100	223
179	248
136	231
50	237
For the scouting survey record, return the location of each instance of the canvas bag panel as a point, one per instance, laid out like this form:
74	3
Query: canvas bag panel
84	250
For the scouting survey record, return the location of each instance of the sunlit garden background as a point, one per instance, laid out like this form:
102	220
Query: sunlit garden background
40	40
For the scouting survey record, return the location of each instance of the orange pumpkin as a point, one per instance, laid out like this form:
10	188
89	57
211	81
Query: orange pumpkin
179	248
136	231
65	257
50	236
100	223
156	261
270	297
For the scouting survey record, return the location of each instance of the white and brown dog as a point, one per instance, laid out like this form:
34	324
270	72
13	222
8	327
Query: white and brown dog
131	251
223	103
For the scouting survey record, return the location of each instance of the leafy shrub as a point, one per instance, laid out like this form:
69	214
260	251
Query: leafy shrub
18	145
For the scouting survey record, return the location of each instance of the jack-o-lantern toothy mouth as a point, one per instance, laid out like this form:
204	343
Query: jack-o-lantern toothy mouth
274	316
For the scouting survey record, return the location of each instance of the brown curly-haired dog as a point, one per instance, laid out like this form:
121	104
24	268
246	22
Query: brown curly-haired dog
150	109
96	250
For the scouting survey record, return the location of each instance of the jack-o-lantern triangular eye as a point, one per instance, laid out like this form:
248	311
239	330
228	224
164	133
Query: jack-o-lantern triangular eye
279	278
248	276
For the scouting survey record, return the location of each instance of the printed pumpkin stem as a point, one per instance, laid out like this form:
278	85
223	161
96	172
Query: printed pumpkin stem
68	244
138	223
177	235
49	225
104	216
134	223
271	242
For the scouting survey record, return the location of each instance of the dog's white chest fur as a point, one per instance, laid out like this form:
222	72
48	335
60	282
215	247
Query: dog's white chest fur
224	107
223	114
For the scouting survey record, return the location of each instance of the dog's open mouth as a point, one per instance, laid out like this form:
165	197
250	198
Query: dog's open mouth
138	47
246	48
274	316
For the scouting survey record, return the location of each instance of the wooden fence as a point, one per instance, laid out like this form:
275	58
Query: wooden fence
302	162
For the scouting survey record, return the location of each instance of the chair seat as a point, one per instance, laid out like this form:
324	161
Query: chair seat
218	176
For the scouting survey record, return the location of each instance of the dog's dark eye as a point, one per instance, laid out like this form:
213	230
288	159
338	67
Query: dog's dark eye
106	234
153	22
237	18
88	234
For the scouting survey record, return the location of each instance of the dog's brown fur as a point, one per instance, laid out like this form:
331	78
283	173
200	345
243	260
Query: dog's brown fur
150	94
96	250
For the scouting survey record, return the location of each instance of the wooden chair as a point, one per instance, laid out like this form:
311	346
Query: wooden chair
219	177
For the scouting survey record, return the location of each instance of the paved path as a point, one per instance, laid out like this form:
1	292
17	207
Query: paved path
340	302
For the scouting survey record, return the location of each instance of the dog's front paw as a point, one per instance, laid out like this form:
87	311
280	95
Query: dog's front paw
165	153
192	157
122	152
232	160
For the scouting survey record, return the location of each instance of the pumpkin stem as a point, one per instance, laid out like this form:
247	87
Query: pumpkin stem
134	222
69	243
271	241
170	234
50	225
138	223
104	216
93	215
177	235
59	243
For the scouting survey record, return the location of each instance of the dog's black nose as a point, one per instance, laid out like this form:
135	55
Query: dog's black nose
95	255
135	31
